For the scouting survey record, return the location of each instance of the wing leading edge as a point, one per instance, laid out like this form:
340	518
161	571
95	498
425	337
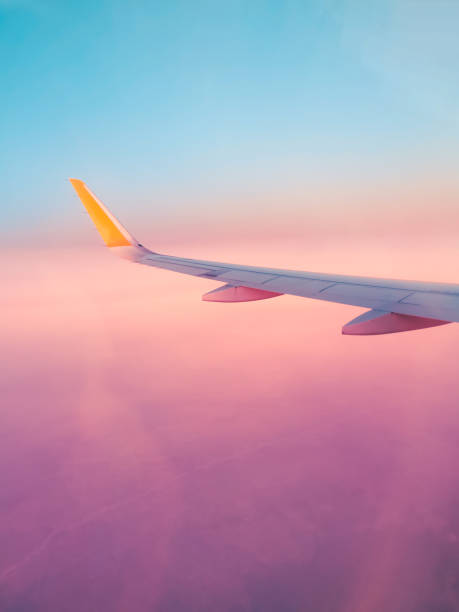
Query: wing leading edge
395	305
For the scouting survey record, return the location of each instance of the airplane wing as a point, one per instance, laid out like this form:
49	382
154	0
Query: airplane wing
395	305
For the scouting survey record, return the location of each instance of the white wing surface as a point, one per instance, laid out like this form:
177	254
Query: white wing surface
395	305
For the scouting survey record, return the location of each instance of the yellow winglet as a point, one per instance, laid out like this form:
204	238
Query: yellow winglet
111	230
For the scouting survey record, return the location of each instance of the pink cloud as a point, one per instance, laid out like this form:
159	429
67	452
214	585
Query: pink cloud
186	451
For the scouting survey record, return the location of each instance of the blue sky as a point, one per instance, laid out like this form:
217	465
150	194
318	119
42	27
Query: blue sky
163	106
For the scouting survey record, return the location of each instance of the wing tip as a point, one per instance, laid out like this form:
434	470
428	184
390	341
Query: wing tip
110	229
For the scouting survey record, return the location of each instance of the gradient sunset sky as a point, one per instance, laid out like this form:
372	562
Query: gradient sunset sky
260	115
163	454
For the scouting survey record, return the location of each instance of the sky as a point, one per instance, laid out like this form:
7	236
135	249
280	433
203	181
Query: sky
191	115
163	454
